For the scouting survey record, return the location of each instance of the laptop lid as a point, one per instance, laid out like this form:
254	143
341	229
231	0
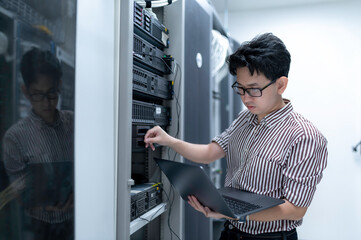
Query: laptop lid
48	184
192	180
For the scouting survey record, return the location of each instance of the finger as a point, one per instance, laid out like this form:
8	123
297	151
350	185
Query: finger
208	211
192	199
213	214
205	210
191	202
152	142
150	131
152	147
201	209
147	138
199	206
196	202
150	139
147	143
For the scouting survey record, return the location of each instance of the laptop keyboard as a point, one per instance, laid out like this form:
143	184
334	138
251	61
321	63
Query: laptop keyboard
238	206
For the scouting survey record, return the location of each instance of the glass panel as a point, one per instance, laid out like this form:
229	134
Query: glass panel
37	79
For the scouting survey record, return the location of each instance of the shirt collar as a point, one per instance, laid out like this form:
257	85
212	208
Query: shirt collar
274	117
38	121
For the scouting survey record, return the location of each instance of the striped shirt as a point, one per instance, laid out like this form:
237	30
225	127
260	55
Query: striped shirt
32	140
283	156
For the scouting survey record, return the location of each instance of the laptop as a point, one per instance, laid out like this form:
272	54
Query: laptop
48	184
192	180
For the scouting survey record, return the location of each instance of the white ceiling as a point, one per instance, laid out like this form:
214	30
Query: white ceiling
241	5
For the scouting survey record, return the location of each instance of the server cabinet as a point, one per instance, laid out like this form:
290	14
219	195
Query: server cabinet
197	98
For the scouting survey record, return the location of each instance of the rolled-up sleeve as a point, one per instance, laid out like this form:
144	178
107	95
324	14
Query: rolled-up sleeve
222	140
304	168
12	156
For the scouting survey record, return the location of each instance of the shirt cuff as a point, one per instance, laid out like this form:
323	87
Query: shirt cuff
221	142
298	194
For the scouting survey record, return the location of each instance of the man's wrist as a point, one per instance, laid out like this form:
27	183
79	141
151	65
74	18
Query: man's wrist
172	142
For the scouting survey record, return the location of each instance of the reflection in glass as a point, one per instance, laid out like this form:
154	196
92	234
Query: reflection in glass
37	120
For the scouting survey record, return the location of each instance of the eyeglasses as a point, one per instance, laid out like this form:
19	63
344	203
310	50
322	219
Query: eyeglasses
253	92
38	97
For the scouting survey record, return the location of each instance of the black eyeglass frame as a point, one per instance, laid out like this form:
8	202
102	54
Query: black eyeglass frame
236	89
43	95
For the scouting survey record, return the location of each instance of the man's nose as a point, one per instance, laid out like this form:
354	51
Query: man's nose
246	97
46	100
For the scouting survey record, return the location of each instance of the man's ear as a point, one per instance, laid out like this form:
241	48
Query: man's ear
282	84
24	90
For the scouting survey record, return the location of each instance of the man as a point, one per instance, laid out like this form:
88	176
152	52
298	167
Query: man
44	137
270	149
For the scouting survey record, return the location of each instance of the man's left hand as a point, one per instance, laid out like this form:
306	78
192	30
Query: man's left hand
193	201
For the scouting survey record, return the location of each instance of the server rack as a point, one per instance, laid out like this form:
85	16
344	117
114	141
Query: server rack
151	106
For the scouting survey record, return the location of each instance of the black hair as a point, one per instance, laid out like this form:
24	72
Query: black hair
265	54
38	62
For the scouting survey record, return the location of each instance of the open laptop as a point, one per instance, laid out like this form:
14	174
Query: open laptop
48	184
192	180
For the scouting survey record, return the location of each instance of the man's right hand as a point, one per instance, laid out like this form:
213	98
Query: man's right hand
199	153
156	135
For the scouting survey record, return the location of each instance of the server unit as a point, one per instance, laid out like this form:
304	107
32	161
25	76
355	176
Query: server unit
138	133
149	28
144	168
150	57
145	197
149	113
150	84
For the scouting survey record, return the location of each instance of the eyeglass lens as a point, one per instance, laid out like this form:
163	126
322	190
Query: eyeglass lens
40	96
253	92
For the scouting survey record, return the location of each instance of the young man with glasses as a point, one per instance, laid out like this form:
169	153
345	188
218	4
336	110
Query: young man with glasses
44	137
270	149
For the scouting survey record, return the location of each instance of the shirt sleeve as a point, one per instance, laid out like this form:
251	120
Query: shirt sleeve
12	156
303	171
14	165
222	139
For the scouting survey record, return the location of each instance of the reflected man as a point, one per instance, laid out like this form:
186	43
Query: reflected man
39	149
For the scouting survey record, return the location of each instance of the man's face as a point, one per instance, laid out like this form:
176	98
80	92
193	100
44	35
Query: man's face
271	98
43	96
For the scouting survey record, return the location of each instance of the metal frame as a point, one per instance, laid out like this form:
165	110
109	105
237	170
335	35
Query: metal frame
96	122
124	64
108	216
